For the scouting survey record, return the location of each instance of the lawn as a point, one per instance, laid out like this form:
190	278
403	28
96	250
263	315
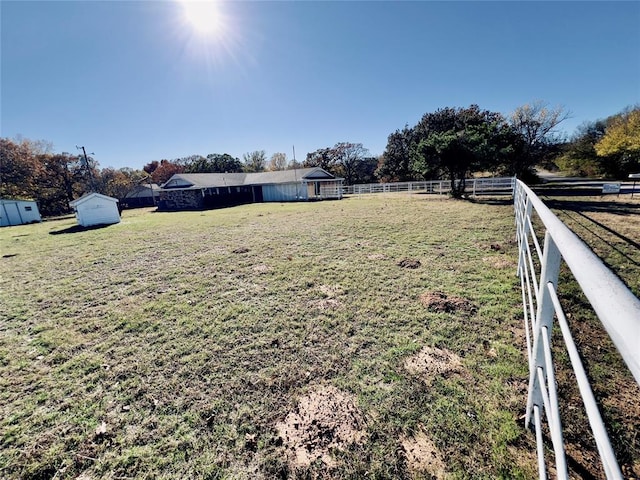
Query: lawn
375	337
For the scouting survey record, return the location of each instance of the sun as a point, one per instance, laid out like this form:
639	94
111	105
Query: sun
203	16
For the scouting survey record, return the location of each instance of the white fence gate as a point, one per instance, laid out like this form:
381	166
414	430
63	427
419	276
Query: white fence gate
616	307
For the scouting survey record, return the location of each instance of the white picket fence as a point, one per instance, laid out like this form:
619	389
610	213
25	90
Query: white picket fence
616	307
474	186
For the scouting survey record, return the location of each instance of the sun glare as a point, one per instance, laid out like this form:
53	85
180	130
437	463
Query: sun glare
202	15
209	32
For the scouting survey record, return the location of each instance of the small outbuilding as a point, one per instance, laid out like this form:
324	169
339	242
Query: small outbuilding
96	209
18	212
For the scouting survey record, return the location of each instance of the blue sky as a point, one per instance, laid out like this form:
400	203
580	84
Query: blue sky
134	81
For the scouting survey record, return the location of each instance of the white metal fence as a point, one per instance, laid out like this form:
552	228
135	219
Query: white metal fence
475	186
616	307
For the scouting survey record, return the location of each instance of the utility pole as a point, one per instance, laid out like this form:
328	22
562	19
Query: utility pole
86	165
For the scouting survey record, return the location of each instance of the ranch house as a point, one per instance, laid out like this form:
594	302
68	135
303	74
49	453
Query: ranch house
199	191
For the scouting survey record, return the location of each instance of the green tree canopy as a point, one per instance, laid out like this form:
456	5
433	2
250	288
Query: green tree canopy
455	142
395	163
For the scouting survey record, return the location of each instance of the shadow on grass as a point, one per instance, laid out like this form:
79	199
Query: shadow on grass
606	207
495	201
78	229
616	208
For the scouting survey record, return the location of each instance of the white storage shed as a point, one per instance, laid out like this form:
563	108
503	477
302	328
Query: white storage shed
18	212
96	209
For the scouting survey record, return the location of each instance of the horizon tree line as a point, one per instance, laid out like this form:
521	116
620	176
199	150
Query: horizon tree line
450	143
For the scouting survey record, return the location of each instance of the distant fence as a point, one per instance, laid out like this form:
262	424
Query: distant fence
616	307
474	186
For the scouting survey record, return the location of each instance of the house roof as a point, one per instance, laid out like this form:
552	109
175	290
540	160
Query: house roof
89	196
208	180
142	190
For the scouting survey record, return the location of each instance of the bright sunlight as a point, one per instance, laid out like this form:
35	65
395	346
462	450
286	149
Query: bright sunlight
202	15
210	33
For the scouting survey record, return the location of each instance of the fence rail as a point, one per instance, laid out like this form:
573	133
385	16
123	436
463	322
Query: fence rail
475	186
616	307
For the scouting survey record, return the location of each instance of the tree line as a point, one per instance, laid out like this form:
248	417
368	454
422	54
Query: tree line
604	148
30	170
455	143
450	143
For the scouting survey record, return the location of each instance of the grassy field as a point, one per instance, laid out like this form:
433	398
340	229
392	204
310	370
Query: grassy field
375	337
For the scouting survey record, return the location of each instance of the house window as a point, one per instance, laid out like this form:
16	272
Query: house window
28	209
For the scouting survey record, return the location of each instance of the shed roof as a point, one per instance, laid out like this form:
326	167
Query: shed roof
89	196
14	200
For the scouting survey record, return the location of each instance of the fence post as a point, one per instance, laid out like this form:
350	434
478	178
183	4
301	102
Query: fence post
550	270
524	214
544	318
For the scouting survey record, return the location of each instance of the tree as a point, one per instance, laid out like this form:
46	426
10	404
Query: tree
254	161
348	157
366	170
151	166
323	158
294	164
578	156
213	163
395	163
455	142
344	159
117	183
278	161
20	170
621	141
536	123
65	178
164	171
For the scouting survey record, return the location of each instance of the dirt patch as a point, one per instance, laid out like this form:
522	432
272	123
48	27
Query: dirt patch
441	302
325	304
240	250
330	291
409	263
431	361
423	456
324	420
500	262
262	268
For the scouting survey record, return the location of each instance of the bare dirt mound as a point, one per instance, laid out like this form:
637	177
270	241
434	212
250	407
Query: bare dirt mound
500	262
441	302
423	456
324	420
325	304
431	361
409	263
261	268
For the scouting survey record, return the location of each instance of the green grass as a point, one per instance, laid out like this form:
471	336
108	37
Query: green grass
185	349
